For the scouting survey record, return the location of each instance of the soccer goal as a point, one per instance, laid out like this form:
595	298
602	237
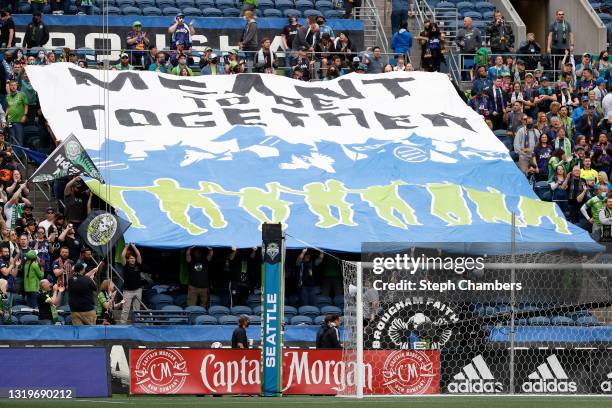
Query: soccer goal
530	320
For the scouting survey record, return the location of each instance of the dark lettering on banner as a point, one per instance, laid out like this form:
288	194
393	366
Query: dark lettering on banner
233	100
315	93
333	119
178	120
244	83
392	85
117	84
440	119
86	113
200	102
294	118
181	84
393	122
125	117
243	117
349	89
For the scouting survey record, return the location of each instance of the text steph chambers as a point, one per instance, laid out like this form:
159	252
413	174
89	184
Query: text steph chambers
463	285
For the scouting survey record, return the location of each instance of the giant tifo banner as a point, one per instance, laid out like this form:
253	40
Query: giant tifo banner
218	33
379	158
322	372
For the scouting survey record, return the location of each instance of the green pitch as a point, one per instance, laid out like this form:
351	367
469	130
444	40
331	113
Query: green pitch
311	402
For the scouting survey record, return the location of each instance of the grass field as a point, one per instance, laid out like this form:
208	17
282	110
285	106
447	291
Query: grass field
310	402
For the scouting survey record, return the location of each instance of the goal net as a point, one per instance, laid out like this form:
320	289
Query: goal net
459	321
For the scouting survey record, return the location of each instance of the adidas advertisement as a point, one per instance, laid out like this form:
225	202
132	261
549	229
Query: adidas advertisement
552	371
602	372
481	372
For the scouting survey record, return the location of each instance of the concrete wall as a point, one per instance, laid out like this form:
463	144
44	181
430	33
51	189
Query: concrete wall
510	14
589	31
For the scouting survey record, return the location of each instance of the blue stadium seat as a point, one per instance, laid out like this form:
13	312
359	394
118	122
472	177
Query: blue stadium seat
96	11
319	320
331	14
214	300
542	190
488	15
125	3
312	13
145	3
19	310
539	321
273	13
131	11
587	321
292	12
162	4
228	320
192	12
331	310
205	319
197	310
483	6
605	18
212	12
474	15
162	299
64	308
223	4
151	11
202	4
486	310
180	300
301	320
100	3
264	5
339	301
231	12
290	311
464	6
185	3
172	308
218	310
255	320
324	5
241	310
28	319
283	5
303	5
311	311
445	4
257	310
24	8
256	299
562	321
170	11
112	11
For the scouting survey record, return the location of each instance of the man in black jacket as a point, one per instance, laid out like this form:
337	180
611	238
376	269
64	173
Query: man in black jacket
501	37
37	34
330	338
248	40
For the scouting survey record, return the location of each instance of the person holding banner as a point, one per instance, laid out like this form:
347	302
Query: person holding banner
82	290
197	291
132	280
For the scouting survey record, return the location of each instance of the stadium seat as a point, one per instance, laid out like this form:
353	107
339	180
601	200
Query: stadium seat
131	11
474	15
212	12
223	4
562	321
319	320
151	11
542	190
292	12
18	299
112	11
331	14
162	4
294	300
214	300
194	312
241	310
303	5
587	321
255	320
312	13
605	18
228	320
162	300
19	310
125	3
324	5
290	311
205	319
192	12
310	311
272	13
539	321
145	3
488	15
218	310
486	311
463	6
264	5
185	3
257	310
64	308
28	319
170	11
282	5
322	300
180	300
484	6
202	4
339	301
231	12
256	299
301	320
172	308
331	310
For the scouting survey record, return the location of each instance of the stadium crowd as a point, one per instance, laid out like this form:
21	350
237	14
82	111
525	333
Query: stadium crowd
553	112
